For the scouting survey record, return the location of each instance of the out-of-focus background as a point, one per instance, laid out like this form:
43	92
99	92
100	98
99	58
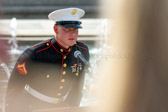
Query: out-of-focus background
39	9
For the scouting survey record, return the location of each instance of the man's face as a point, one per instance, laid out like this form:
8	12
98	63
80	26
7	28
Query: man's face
66	36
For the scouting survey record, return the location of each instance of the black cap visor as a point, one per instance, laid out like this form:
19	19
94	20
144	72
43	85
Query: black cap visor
69	24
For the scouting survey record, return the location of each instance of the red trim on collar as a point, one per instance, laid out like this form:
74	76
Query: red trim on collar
61	46
68	52
44	48
60	52
57	50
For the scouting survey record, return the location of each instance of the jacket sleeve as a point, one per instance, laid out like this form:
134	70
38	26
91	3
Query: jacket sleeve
87	55
15	91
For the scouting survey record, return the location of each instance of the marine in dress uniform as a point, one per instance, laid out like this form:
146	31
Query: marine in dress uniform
48	75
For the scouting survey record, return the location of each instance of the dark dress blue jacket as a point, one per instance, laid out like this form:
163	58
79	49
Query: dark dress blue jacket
50	70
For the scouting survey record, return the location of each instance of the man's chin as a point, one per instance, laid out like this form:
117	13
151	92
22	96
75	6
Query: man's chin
72	43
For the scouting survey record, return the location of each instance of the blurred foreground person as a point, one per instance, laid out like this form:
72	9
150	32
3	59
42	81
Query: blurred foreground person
138	80
48	75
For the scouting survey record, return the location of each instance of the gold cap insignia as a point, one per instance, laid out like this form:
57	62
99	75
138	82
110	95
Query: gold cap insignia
74	11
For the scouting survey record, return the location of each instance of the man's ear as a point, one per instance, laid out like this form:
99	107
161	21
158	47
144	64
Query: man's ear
55	29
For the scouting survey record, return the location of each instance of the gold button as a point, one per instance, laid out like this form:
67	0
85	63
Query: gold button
64	57
47	76
59	94
63	80
61	50
65	65
64	72
77	74
61	87
69	50
47	44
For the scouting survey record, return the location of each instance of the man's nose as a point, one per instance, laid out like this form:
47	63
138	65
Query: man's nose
73	34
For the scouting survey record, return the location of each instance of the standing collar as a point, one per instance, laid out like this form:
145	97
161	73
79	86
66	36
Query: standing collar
59	48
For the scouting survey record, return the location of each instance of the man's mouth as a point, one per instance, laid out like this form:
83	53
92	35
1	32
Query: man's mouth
71	39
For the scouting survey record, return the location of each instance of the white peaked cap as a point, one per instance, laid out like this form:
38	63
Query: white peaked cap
67	14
